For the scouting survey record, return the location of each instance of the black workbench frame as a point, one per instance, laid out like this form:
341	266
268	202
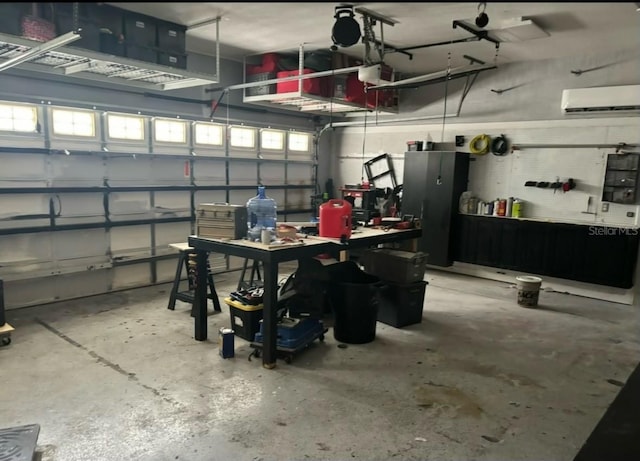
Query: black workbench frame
270	260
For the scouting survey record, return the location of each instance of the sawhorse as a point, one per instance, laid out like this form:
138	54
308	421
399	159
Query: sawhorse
187	296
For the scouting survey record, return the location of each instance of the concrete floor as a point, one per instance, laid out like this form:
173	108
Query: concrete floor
119	377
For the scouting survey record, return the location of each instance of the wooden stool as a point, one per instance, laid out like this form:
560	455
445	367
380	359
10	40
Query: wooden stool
184	261
254	280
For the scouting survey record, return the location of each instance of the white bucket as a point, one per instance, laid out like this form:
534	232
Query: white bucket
528	290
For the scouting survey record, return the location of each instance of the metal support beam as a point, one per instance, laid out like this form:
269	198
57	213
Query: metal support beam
324	73
40	50
377	16
206	22
449	42
481	34
186	83
392	49
75	68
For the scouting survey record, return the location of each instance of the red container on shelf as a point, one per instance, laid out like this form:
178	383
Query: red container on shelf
355	93
309	85
270	62
335	219
502	207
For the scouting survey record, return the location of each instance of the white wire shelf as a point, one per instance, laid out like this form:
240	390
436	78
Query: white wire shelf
312	103
101	67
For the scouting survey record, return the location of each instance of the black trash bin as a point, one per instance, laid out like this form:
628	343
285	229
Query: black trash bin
354	296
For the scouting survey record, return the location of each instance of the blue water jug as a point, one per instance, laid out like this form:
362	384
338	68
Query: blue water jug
261	212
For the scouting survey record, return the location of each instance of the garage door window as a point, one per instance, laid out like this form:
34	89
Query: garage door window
73	123
272	140
170	131
208	134
127	127
18	118
299	142
242	137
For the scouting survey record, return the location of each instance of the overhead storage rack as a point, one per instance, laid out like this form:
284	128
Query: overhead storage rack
100	67
301	88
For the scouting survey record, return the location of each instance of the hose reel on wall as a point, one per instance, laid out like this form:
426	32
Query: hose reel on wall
499	146
480	144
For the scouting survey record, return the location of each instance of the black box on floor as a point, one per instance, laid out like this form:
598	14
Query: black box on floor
90	33
177	60
141	53
171	37
245	319
140	30
402	304
395	265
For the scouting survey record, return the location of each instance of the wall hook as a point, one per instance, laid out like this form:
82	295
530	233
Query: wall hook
504	90
579	72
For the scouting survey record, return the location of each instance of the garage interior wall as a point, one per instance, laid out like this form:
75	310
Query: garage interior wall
527	112
40	267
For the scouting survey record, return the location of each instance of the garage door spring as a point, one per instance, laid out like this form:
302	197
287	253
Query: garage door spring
485	142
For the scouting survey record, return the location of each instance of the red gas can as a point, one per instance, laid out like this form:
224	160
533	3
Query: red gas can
335	219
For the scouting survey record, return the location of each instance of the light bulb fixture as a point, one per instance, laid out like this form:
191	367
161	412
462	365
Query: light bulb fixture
482	20
346	30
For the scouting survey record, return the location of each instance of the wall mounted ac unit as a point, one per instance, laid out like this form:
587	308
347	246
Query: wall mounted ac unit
603	99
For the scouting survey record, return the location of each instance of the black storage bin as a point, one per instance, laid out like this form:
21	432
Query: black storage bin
263	89
171	37
354	298
395	266
402	304
108	17
141	53
67	9
140	30
111	44
90	34
176	60
11	18
245	319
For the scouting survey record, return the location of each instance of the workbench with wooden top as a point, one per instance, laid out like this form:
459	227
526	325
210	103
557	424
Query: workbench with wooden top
270	256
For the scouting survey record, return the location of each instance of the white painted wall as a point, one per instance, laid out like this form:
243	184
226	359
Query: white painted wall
492	176
528	113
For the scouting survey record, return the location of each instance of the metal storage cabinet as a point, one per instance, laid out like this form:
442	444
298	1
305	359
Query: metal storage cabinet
436	204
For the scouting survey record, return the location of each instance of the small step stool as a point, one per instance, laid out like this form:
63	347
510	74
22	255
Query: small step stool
187	296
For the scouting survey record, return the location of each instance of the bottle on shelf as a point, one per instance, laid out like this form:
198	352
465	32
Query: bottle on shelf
262	213
509	207
516	211
502	207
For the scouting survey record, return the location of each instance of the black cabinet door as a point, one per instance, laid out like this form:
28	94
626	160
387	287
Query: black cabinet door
591	254
433	182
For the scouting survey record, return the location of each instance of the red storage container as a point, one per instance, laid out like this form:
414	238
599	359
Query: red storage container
355	93
315	86
270	62
335	219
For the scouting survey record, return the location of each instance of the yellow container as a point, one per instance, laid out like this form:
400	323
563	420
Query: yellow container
245	319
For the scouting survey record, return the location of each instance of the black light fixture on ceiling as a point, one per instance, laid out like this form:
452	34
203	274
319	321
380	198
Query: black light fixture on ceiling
346	30
482	20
